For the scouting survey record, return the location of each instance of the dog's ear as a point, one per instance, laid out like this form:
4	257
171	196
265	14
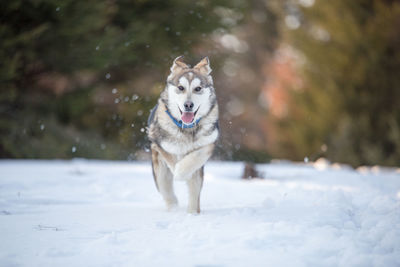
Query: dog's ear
178	64
204	66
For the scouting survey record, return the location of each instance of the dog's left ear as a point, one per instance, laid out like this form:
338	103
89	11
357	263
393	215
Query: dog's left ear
204	66
178	64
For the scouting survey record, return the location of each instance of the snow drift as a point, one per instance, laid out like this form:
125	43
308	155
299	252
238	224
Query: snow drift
101	213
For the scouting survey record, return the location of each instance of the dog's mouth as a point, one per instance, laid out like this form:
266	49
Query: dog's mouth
188	117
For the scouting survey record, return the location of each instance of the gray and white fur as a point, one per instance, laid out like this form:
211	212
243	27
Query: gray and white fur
180	148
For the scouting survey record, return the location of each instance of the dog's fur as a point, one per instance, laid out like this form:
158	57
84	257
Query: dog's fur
180	153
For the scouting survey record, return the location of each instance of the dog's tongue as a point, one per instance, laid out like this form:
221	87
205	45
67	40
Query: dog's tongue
187	117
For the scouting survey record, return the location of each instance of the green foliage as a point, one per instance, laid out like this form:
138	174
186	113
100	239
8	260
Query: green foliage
60	61
78	78
350	103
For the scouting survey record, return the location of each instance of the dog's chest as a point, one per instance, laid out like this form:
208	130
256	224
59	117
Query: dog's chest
181	143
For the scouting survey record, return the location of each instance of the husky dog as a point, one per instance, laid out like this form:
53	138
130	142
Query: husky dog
183	128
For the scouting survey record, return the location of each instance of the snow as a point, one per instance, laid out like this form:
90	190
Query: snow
103	213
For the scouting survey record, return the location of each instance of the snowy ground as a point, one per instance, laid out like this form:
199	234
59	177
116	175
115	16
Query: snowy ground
101	213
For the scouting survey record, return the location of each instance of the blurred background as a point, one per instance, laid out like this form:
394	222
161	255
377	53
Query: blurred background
296	79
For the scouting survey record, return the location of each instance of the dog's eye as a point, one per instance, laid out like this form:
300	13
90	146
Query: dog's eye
197	89
181	88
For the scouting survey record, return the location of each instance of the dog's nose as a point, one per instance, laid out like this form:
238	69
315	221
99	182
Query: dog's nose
188	105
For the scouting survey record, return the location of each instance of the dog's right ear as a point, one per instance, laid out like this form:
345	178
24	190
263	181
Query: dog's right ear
179	64
204	66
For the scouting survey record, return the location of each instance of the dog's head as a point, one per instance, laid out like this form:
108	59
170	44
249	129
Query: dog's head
189	94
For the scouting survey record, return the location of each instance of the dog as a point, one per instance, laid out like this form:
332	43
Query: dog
183	129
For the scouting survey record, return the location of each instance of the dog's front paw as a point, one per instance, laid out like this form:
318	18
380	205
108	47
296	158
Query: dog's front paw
172	206
181	177
180	174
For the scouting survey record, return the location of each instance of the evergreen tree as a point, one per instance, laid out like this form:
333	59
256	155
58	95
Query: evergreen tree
349	109
60	61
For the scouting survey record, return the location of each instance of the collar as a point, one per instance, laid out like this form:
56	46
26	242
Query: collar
180	124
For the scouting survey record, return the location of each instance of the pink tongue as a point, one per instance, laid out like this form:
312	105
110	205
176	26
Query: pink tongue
187	117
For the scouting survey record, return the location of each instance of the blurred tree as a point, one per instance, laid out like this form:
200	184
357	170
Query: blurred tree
244	50
349	108
78	77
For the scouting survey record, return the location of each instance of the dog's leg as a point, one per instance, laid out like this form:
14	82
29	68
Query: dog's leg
164	180
166	188
192	162
195	184
168	158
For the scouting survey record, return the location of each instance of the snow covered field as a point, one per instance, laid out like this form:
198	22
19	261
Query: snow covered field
102	213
